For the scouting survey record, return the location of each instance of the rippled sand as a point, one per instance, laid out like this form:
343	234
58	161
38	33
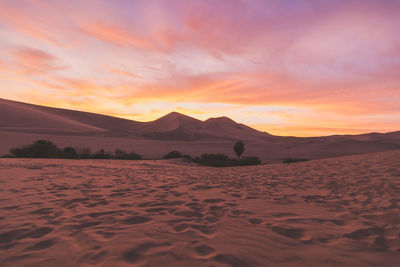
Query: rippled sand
334	212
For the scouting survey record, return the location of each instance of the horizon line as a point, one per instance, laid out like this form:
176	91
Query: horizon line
192	117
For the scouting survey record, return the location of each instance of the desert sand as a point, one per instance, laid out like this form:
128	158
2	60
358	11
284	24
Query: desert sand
330	212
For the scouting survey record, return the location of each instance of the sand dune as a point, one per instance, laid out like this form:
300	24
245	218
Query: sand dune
332	212
22	123
17	116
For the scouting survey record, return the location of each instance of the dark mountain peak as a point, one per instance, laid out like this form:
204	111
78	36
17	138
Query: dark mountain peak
176	116
221	120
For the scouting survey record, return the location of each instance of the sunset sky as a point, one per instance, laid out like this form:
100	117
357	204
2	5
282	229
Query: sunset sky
303	68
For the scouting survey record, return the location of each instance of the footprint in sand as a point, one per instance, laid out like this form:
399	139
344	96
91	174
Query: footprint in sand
106	235
22	233
136	220
255	221
45	244
294	233
229	260
189	214
213	200
39	232
362	233
136	254
208	230
204	250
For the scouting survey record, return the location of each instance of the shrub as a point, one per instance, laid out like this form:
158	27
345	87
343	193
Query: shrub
247	161
188	157
39	149
134	156
46	149
101	154
215	160
222	160
121	154
173	155
84	153
293	160
69	153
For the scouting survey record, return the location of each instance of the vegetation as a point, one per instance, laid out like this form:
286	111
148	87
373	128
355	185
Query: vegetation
39	149
69	152
173	155
46	149
293	160
246	161
239	149
222	160
215	160
121	154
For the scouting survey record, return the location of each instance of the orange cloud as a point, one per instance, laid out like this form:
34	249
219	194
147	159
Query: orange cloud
23	22
117	35
122	72
32	60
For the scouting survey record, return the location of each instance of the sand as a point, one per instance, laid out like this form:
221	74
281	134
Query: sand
332	212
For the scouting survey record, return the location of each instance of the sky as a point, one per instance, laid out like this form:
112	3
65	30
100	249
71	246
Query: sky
287	67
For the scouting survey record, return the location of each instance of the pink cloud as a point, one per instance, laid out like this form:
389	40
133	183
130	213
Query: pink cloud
117	35
333	58
123	72
32	60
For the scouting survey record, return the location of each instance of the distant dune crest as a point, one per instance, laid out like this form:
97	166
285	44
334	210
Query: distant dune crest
18	116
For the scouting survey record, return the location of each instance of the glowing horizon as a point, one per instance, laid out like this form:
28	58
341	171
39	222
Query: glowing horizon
304	68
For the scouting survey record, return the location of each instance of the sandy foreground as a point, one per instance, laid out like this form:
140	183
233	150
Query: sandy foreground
333	212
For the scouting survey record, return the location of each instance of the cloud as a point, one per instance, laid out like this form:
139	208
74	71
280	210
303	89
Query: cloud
28	23
35	61
338	60
123	72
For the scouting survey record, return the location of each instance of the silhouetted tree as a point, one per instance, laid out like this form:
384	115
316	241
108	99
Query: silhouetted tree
84	153
101	155
121	154
239	149
173	155
69	152
39	149
215	160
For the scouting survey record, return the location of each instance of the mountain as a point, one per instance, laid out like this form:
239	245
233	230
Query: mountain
18	116
21	123
23	117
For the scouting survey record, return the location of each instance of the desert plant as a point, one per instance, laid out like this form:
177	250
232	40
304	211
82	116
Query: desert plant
121	154
188	158
246	161
39	149
215	160
84	153
69	153
134	156
173	155
101	154
238	148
